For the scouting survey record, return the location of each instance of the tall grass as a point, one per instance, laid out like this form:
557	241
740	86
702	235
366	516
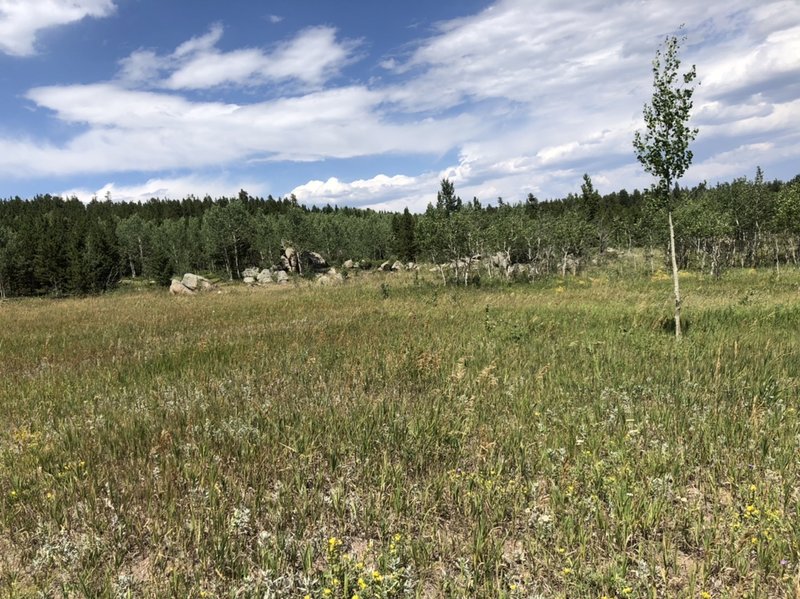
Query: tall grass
394	438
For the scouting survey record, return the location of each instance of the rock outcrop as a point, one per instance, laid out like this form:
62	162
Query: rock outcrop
196	282
315	260
178	288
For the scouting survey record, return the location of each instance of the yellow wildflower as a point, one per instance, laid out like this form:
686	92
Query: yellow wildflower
361	584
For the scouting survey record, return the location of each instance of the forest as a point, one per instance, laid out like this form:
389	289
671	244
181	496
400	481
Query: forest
57	246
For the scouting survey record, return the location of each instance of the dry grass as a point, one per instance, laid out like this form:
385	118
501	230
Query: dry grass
534	440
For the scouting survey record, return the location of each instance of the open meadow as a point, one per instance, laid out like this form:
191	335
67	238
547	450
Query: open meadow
395	438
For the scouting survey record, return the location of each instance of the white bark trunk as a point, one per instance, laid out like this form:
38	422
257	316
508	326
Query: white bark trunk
675	282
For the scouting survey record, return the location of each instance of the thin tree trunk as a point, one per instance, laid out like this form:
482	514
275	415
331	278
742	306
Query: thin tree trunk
675	278
236	256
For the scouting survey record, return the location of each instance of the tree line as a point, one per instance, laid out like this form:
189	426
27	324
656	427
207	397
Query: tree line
61	246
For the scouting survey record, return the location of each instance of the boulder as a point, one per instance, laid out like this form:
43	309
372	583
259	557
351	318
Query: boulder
411	266
265	276
385	266
331	278
191	281
196	282
315	260
281	277
290	260
349	264
250	272
398	266
249	280
178	288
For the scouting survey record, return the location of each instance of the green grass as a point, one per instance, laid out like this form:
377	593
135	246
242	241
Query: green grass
548	439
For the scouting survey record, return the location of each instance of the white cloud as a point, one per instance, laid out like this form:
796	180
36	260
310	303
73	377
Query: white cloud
129	130
22	20
356	192
274	19
171	188
310	58
528	99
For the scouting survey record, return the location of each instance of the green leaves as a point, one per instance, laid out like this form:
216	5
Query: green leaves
663	148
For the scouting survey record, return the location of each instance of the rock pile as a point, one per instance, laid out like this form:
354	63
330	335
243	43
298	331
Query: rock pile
190	284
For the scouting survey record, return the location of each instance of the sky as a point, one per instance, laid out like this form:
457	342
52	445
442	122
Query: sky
371	103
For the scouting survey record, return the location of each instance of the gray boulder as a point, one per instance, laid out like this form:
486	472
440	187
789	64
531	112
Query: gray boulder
250	272
290	260
281	277
249	280
331	278
265	276
385	266
196	282
315	260
398	266
349	264
178	288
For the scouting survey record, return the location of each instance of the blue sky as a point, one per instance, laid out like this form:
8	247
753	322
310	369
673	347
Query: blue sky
371	103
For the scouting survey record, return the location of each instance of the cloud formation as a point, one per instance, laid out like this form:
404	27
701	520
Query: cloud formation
22	20
528	100
310	58
174	188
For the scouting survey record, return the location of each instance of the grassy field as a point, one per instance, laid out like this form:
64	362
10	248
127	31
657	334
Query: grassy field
393	438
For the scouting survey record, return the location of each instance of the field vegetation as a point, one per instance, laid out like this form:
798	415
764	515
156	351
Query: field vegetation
392	437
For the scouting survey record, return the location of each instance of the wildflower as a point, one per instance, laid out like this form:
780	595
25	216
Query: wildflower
566	571
754	540
356	596
753	488
376	576
361	584
13	494
307	596
50	496
326	592
705	595
627	591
